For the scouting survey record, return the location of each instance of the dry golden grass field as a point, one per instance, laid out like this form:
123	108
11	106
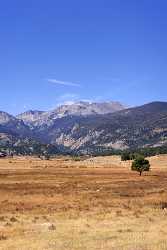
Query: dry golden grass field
93	204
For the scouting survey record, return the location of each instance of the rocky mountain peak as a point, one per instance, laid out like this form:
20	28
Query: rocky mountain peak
86	126
80	108
5	117
89	108
30	116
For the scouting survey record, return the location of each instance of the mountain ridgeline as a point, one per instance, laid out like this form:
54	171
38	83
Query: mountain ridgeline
88	127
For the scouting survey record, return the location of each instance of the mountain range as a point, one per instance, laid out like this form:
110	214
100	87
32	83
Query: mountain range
85	126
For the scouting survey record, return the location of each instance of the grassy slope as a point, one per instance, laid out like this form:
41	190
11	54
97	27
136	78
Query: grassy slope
95	204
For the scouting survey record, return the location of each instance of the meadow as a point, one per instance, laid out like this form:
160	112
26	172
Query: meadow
92	204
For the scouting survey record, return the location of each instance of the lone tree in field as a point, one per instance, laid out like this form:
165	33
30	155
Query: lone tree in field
140	164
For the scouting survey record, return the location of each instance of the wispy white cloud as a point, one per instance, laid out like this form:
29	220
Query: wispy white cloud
67	98
55	81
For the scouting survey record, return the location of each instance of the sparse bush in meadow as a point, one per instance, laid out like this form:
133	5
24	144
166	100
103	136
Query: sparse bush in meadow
76	158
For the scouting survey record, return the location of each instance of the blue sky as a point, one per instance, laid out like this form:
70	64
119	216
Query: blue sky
58	51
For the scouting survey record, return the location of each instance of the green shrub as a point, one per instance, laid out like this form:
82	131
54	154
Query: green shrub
140	164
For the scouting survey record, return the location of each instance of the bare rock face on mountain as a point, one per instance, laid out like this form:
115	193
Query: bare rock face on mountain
18	138
39	118
36	124
83	126
130	128
30	116
6	118
12	129
9	123
86	108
